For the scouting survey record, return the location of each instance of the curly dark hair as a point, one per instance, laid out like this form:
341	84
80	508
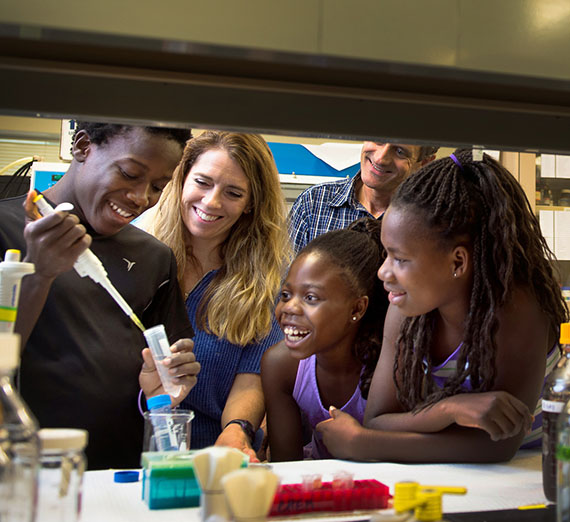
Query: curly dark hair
100	133
358	252
483	201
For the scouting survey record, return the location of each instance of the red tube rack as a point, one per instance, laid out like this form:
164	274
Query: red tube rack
292	499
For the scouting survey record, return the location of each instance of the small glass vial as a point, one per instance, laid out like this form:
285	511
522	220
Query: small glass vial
62	463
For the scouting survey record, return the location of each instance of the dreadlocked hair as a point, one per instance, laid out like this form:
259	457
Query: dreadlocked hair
481	201
101	133
357	252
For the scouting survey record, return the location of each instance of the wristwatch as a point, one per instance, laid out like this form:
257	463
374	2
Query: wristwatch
246	426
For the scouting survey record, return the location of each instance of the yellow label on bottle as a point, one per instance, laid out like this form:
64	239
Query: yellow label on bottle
8	314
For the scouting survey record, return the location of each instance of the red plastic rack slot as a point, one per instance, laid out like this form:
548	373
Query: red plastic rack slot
292	499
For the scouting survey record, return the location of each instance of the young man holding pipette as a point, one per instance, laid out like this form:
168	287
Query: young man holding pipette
81	359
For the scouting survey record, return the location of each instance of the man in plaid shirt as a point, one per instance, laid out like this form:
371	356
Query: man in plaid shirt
336	204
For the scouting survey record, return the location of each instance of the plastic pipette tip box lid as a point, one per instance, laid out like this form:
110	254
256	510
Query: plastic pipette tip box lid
294	499
169	480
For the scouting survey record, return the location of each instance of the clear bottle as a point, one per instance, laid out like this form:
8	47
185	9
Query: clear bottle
62	463
563	446
11	272
19	443
556	394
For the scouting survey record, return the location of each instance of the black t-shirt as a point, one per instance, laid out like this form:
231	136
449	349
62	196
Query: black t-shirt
81	364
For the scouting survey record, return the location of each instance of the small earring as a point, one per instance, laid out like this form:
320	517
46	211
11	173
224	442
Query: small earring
354	317
454	274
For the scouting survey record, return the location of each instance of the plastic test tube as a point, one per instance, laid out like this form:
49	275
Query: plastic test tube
160	412
160	348
11	272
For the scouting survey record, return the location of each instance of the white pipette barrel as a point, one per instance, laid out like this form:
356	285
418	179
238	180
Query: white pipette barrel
107	285
11	272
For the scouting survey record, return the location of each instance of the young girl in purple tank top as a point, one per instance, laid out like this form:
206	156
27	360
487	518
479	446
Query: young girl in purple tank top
330	310
470	282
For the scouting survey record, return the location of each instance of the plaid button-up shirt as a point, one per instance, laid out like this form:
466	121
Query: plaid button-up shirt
324	207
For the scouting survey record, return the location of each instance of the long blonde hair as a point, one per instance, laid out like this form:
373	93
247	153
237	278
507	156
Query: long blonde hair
238	303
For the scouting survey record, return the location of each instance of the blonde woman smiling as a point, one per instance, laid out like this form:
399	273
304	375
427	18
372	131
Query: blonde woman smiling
224	217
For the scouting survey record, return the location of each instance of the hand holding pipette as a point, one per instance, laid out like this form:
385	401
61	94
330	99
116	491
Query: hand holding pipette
55	242
87	263
52	245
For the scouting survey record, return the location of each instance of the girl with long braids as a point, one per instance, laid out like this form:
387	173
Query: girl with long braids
329	307
472	326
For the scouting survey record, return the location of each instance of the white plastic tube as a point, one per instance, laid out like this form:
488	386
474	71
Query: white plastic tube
160	349
11	272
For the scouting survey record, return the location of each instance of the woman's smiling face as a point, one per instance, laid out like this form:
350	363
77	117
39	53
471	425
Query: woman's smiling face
216	193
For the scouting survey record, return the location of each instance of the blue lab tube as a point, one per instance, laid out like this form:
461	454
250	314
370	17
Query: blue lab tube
160	410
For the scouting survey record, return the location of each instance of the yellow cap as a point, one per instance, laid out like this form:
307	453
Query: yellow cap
565	333
12	255
429	509
425	500
405	492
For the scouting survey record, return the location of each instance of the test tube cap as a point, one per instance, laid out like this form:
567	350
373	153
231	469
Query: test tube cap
62	439
12	255
126	476
158	401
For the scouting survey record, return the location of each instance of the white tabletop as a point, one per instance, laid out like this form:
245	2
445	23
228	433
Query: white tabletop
490	486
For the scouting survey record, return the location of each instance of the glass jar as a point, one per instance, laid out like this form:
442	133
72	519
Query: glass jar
61	467
19	443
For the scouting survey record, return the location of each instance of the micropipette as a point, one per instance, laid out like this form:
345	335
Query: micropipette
88	264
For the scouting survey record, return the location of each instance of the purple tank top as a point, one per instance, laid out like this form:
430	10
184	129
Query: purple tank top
306	394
